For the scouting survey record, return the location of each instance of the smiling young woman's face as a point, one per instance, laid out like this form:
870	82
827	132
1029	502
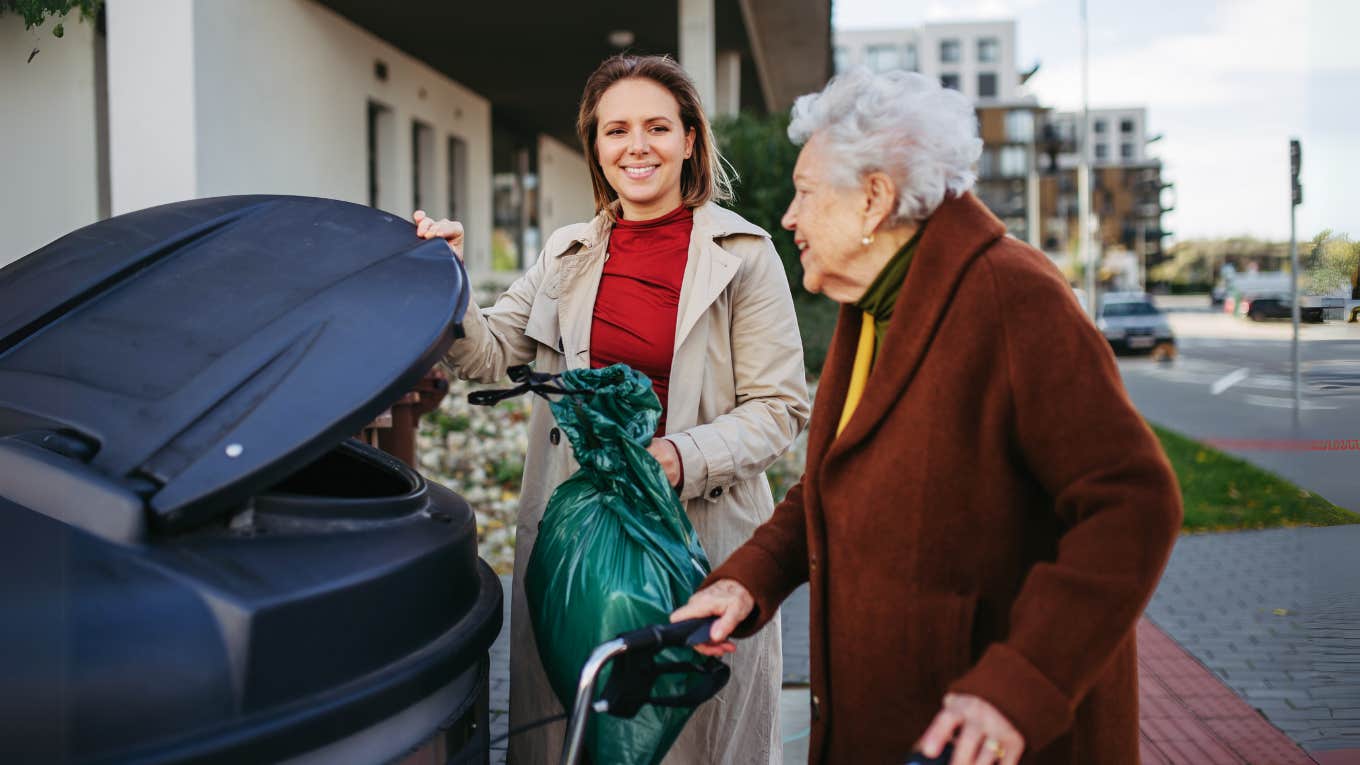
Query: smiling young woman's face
642	146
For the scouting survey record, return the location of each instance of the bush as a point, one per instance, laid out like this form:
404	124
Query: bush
760	151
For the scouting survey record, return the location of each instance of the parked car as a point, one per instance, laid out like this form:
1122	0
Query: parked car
203	566
1132	322
1261	307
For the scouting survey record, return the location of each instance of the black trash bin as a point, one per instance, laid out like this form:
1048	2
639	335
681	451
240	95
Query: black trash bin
198	564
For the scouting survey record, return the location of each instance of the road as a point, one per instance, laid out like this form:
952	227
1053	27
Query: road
1232	386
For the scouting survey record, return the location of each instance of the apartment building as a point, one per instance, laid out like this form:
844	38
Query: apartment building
975	58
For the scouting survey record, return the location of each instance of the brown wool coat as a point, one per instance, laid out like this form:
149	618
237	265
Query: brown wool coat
992	521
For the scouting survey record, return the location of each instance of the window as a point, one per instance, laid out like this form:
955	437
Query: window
949	51
1020	126
515	239
988	50
987	85
422	168
950	81
381	131
883	58
909	60
1126	151
1099	127
1014	162
987	163
457	178
842	58
1102	152
1126	126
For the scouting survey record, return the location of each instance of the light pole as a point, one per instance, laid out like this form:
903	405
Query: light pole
1084	171
1295	199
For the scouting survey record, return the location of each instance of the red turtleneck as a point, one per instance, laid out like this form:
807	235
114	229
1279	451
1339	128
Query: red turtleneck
637	306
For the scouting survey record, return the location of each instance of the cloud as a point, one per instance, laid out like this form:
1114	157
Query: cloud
972	10
1203	69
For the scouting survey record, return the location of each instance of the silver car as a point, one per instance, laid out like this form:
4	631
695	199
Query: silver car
1131	322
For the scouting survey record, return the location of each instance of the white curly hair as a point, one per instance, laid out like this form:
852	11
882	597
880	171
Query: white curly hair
924	136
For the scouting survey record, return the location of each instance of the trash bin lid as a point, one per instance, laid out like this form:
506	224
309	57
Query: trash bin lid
205	349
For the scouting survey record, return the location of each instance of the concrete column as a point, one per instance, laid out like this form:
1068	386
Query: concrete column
49	119
728	97
152	108
1032	214
698	48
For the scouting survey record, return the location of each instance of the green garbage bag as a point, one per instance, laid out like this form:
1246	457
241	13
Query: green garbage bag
615	552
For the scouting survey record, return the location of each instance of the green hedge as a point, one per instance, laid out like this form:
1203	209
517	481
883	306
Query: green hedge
759	149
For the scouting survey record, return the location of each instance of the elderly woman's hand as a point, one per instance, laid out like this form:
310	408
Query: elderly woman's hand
725	599
985	736
451	231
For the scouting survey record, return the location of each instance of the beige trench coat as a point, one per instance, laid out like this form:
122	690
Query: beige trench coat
738	398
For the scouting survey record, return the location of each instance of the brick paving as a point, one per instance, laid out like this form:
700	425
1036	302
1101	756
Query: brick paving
1186	715
1276	616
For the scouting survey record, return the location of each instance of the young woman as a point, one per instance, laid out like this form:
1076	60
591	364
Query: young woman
665	280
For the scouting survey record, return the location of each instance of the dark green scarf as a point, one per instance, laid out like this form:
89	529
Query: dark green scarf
881	296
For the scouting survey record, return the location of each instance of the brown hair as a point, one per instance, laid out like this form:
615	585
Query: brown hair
702	177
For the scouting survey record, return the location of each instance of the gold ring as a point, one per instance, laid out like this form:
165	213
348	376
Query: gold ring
998	751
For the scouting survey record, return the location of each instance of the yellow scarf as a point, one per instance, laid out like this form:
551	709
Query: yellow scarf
859	373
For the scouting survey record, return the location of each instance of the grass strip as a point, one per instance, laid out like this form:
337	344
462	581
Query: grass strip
1223	493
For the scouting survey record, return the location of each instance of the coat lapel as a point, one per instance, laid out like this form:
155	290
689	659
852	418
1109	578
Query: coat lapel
956	234
576	284
710	268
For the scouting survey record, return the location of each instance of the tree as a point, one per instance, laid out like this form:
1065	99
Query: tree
34	12
759	150
1332	264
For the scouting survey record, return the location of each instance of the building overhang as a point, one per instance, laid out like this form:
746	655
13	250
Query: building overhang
531	59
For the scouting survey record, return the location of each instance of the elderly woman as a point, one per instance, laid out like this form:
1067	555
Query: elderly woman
670	283
983	514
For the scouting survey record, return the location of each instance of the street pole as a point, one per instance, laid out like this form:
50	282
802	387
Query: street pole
1295	199
1084	171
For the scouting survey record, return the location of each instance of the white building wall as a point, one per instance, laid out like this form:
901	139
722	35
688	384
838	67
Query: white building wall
1112	138
968	67
208	98
283	109
855	45
565	194
48	158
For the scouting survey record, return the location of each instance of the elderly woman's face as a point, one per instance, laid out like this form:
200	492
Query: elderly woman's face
827	219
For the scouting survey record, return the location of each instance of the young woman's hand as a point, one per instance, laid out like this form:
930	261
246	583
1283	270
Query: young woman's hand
665	452
725	599
451	231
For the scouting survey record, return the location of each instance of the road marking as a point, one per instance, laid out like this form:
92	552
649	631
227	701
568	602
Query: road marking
1230	379
1281	403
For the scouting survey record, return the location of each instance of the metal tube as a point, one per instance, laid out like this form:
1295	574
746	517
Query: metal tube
1294	290
1084	172
585	689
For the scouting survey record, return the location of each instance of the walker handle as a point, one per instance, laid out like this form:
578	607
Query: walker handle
690	632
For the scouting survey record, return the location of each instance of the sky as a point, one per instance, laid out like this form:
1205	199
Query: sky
1226	82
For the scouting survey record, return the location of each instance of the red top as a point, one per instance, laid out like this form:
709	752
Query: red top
639	299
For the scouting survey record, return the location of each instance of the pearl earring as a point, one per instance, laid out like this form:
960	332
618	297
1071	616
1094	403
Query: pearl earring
867	240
